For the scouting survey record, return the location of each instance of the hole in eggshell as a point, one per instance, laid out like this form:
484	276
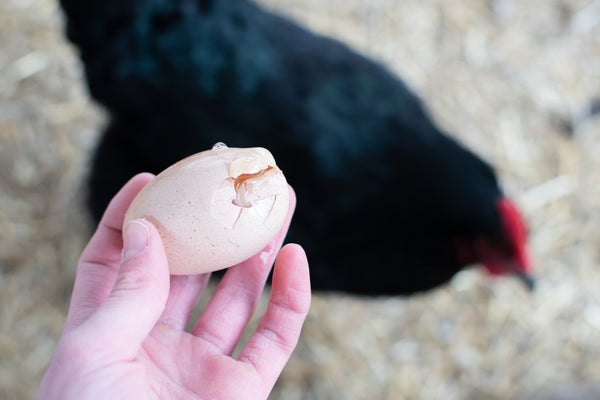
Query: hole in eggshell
244	177
250	188
254	193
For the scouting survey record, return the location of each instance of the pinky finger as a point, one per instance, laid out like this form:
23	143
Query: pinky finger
276	336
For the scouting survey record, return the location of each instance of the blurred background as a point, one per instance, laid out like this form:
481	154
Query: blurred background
514	80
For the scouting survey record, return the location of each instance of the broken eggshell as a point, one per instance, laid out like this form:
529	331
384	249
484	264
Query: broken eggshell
216	208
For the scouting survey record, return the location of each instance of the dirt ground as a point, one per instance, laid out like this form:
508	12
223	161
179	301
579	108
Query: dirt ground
512	79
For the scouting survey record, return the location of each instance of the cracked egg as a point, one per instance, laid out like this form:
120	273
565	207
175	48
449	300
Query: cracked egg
216	208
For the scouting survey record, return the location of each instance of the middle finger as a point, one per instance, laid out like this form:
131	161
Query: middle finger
234	301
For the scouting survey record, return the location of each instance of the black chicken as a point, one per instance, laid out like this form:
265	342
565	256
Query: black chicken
387	204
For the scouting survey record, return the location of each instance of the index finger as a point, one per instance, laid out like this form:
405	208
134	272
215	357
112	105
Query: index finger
99	262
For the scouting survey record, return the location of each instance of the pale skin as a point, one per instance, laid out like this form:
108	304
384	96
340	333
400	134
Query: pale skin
125	337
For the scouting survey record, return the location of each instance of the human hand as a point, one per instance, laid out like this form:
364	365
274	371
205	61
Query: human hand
125	338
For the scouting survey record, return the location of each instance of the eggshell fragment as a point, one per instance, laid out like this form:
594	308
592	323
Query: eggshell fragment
216	208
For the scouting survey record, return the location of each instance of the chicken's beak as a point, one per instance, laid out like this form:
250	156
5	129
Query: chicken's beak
511	268
514	227
527	279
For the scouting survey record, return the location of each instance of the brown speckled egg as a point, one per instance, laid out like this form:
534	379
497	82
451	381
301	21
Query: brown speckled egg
216	208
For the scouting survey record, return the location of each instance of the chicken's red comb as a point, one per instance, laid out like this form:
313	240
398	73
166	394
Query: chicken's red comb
514	226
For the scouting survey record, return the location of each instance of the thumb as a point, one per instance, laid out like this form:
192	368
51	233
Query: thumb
140	292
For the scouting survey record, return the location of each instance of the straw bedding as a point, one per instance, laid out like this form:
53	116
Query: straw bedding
513	80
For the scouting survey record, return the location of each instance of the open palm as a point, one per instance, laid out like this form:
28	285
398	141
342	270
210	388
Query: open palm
125	336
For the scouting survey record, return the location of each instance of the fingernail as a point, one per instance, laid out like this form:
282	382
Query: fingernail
135	239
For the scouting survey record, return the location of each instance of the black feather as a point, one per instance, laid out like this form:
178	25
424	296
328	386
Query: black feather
382	192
